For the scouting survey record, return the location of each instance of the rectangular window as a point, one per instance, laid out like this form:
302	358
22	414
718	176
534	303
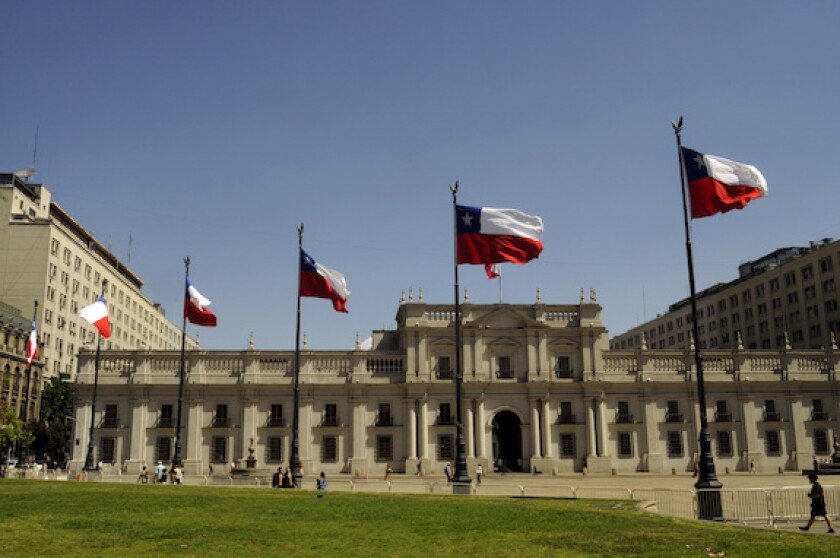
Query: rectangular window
110	420
675	446
221	420
275	449
673	414
330	414
444	368
772	442
163	448
566	416
384	448
724	443
817	411
567	446
383	417
807	272
563	367
165	420
770	412
722	414
275	418
218	450
108	446
445	447
445	414
625	444
623	415
505	370
820	442
329	449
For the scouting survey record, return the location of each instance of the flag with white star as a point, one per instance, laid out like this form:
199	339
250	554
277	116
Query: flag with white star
717	185
486	235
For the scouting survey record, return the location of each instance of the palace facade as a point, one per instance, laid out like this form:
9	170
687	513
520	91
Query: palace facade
542	391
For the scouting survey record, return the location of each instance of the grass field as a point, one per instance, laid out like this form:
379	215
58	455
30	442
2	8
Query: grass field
42	518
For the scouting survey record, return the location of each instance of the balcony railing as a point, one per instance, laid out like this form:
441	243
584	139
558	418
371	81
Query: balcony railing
564	374
220	422
723	416
674	417
445	374
276	421
566	418
624	418
772	416
166	422
110	422
385	420
819	415
330	421
445	421
504	374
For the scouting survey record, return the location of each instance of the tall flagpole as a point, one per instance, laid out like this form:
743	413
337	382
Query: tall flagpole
89	465
297	474
177	460
461	479
707	486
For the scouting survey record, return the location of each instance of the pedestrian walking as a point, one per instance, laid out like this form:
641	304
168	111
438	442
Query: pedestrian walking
448	470
817	496
388	471
479	470
321	484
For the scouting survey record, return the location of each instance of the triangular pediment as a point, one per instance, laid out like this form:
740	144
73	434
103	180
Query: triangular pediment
503	318
503	344
442	344
563	344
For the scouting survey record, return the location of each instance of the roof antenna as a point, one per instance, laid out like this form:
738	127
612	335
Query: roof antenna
26	174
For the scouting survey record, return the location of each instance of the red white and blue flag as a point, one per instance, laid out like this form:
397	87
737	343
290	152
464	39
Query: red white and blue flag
486	235
32	344
717	185
195	308
319	281
97	315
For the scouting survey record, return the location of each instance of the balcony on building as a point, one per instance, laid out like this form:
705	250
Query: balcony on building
566	418
723	416
384	420
165	422
330	420
110	422
674	417
772	416
220	422
624	418
275	421
819	415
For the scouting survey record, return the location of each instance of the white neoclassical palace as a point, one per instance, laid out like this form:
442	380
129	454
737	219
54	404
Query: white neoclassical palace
542	390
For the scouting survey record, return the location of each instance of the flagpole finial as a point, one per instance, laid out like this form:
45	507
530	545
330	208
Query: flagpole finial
677	125
454	190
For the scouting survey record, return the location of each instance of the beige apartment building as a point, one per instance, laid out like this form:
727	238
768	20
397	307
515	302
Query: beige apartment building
47	256
788	298
542	391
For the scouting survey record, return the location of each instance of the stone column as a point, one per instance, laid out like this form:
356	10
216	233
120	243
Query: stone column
481	444
602	427
591	445
798	415
138	439
749	435
535	428
548	443
469	428
411	412
197	456
249	432
358	461
653	449
424	428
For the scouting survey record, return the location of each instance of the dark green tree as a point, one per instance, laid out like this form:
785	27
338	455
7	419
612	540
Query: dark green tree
13	431
54	429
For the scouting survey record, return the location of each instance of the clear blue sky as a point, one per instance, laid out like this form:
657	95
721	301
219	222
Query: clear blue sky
212	129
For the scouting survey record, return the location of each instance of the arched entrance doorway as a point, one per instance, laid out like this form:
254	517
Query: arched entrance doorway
507	442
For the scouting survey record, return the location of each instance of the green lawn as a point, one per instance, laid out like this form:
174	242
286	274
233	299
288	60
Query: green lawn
41	518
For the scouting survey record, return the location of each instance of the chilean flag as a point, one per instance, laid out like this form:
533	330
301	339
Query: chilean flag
322	282
487	235
195	308
97	315
32	344
717	185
